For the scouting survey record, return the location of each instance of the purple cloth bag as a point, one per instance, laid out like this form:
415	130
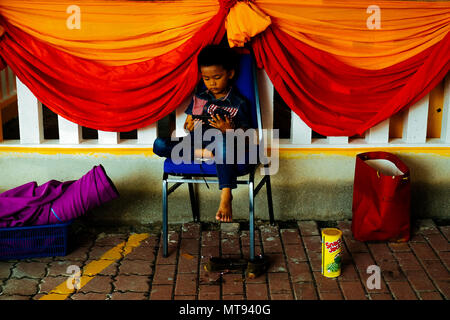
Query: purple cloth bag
55	202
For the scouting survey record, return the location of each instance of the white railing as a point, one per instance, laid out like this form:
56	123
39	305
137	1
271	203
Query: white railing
414	126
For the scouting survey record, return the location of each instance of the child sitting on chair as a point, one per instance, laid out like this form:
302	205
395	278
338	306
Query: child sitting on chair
226	108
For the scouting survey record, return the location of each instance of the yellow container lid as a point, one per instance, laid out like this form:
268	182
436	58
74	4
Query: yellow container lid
333	232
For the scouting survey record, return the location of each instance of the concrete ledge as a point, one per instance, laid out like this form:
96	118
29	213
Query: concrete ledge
314	185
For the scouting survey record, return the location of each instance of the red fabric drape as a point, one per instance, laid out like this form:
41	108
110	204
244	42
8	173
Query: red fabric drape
335	99
109	98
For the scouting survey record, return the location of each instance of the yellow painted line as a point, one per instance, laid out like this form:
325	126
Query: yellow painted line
292	153
62	291
283	152
90	151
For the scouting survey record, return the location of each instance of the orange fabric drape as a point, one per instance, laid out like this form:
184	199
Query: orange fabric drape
105	97
119	33
111	32
132	63
244	21
339	27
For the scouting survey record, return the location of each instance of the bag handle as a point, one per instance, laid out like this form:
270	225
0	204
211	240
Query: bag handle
393	177
374	155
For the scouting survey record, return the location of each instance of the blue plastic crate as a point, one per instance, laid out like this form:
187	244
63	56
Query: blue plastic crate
34	241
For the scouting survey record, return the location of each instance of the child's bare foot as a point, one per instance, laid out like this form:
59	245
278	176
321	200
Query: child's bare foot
225	213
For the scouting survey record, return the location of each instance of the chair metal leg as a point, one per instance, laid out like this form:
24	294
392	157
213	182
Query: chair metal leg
194	206
269	200
165	234
251	220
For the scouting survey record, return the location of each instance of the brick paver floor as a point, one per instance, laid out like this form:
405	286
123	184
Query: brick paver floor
417	270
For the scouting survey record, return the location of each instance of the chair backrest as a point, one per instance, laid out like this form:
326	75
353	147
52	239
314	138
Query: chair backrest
247	85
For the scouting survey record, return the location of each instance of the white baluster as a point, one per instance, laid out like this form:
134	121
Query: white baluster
415	122
378	133
337	140
445	129
266	92
69	132
265	89
106	137
300	132
180	118
148	134
31	127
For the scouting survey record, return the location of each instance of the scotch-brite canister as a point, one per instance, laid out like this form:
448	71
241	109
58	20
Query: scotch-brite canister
331	252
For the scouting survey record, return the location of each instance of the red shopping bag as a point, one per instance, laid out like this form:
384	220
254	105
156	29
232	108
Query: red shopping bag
381	198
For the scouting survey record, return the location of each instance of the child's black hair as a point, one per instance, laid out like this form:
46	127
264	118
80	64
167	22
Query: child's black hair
213	55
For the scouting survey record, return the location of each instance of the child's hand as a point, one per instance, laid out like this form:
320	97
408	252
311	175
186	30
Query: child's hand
221	124
190	124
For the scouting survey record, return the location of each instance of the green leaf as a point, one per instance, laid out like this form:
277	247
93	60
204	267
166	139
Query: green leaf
333	267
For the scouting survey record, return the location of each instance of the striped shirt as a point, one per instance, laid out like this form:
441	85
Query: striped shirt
233	104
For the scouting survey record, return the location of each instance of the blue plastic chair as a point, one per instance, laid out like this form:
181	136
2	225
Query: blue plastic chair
184	173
